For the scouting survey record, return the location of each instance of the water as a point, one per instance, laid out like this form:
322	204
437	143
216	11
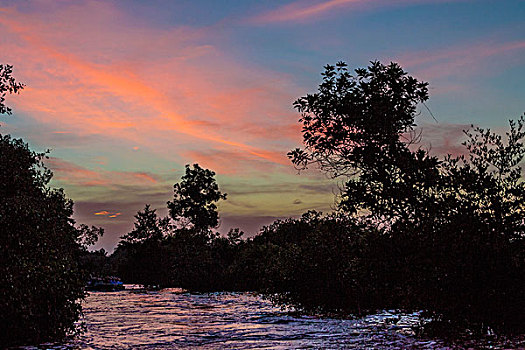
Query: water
169	319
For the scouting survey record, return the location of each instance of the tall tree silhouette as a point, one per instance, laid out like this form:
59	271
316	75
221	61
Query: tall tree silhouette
356	126
194	199
40	279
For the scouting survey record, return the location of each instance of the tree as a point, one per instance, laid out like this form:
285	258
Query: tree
453	228
148	226
354	117
41	282
356	126
476	234
489	178
186	253
88	236
319	263
8	84
142	252
194	199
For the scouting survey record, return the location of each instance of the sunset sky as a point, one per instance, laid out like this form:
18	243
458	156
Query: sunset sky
125	93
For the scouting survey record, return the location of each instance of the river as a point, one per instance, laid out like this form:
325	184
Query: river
170	319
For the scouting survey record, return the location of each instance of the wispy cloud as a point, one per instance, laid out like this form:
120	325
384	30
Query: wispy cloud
236	161
110	87
301	10
307	10
73	174
461	60
443	138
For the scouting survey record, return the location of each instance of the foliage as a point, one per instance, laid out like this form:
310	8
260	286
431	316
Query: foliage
194	199
184	259
186	254
476	234
454	226
147	227
97	263
8	84
88	236
314	263
40	279
143	250
353	118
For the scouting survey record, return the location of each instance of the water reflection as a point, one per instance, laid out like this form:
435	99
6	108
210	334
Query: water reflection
169	319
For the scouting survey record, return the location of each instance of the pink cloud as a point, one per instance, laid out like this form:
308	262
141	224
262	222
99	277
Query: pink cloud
442	139
301	10
153	87
146	177
74	174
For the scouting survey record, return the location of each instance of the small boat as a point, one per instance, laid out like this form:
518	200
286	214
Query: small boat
105	284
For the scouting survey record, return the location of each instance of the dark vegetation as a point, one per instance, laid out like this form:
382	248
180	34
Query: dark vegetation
411	232
451	230
180	250
41	280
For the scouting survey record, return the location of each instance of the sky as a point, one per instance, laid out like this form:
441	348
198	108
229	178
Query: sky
125	93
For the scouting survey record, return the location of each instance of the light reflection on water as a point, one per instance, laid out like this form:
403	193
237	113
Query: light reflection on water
169	319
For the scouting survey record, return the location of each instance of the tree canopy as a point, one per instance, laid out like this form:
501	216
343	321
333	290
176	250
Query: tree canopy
147	226
360	126
194	199
353	118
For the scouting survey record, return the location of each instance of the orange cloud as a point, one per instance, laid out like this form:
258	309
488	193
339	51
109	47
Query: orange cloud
74	174
230	162
107	213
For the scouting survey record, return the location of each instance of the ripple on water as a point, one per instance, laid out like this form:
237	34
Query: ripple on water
170	319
